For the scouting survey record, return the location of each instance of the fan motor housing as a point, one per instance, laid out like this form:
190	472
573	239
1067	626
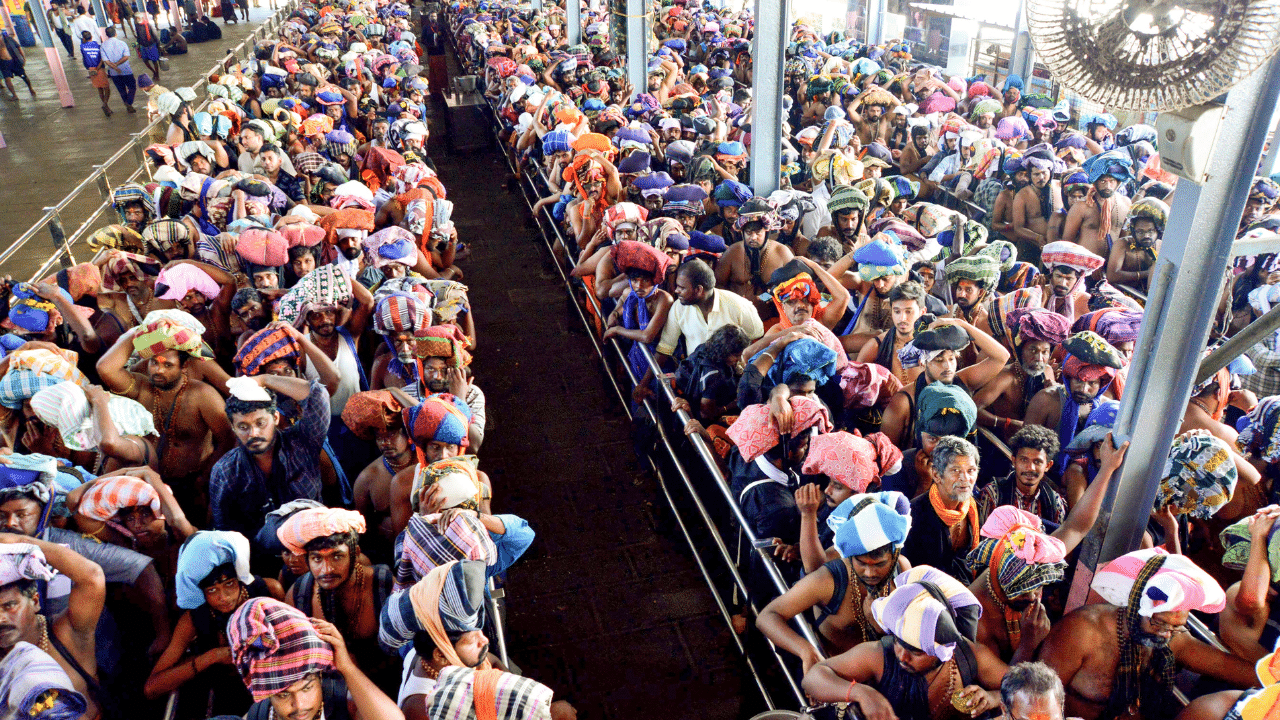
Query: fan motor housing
1187	137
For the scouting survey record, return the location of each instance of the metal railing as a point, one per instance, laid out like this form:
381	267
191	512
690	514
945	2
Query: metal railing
83	208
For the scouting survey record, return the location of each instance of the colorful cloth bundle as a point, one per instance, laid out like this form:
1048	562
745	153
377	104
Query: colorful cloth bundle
372	411
23	561
325	288
274	646
1019	555
265	347
427	546
458	479
307	525
108	496
164	330
200	555
444	341
440	417
867	385
1199	476
463	692
1179	584
850	460
754	432
631	255
865	523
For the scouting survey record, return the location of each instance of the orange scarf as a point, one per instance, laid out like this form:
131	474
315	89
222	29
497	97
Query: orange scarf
424	595
951	517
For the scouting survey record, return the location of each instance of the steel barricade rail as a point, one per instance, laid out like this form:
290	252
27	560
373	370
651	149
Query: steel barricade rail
82	207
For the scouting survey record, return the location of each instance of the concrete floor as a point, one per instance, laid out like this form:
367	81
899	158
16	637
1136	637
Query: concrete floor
50	149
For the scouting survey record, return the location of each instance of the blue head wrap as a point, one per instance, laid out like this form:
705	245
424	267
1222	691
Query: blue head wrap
1116	163
806	357
868	522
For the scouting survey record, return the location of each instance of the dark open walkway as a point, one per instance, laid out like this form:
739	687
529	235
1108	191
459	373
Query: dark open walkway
606	608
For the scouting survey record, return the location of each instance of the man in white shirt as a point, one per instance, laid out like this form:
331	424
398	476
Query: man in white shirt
82	23
115	53
702	309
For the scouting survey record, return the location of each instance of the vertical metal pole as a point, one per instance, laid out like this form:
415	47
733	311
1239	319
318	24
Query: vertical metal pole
573	15
768	55
637	45
1201	229
874	14
1273	154
1020	52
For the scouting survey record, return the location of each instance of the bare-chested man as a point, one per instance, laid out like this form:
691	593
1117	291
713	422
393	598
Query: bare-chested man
1002	403
189	414
376	415
1033	205
917	153
69	637
844	588
1093	224
746	266
869	113
848	207
1132	261
1016	178
1087	370
1106	653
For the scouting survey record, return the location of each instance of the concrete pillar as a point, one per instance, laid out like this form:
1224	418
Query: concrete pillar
51	54
637	46
573	16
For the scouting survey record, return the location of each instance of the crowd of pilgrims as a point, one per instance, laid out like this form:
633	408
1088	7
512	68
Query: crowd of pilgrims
242	444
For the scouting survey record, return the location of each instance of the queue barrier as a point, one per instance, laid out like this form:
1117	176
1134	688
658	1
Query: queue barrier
82	209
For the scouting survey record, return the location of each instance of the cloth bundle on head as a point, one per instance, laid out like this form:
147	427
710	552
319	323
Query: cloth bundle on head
371	411
116	237
1199	475
458	481
178	280
1237	542
1115	163
274	646
23	561
1037	325
624	213
850	460
265	347
867	385
108	496
391	245
1089	358
307	525
631	255
444	341
1071	255
755	433
400	312
981	270
346	221
65	407
33	685
78	280
28	311
325	288
1020	556
164	330
1115	325
866	523
1178	585
427	546
119	264
945	410
449	599
801	360
915	615
200	555
881	257
263	248
463	692
441	417
450	299
927	345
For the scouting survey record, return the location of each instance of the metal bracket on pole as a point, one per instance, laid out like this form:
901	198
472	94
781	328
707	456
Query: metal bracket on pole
1197	244
573	21
59	237
637	45
768	53
1254	333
